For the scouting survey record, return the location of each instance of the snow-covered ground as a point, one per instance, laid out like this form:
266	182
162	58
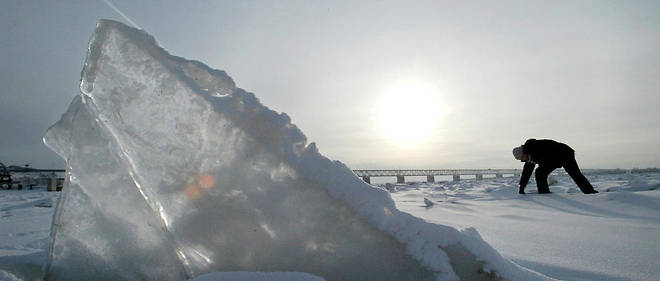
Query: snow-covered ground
613	235
25	219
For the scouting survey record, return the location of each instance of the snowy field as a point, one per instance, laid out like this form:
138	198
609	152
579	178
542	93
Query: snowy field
613	235
25	220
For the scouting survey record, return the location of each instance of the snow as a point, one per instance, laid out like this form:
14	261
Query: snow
566	235
569	236
173	172
25	219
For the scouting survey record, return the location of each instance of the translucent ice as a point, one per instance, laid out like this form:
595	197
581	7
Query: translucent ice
173	172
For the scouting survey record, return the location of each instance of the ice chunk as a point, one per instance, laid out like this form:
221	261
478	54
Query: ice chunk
173	172
102	225
428	202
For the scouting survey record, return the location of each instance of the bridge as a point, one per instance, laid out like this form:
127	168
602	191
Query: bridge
431	173
456	174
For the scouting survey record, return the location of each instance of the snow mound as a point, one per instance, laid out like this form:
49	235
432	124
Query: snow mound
173	172
634	183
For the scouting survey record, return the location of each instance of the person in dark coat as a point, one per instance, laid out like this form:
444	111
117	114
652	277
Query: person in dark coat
549	155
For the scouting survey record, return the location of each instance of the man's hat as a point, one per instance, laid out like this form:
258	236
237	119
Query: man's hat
518	152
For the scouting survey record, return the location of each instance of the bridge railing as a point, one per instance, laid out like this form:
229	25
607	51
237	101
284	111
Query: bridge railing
433	172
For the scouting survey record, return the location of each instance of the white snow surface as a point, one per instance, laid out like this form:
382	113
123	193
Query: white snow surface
173	172
612	235
25	219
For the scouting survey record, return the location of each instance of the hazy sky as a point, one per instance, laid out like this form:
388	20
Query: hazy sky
376	84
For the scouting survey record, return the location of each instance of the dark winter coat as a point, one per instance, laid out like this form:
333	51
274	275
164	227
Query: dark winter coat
546	153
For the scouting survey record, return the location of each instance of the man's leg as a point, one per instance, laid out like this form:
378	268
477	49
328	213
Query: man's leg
571	167
541	175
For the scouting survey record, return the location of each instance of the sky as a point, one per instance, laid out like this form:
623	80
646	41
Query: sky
376	84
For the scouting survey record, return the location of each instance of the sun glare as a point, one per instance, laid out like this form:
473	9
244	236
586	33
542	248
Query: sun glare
409	112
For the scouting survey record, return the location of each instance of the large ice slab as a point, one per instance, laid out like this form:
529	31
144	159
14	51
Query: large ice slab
173	172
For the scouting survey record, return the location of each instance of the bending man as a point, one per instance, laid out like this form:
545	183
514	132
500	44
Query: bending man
550	155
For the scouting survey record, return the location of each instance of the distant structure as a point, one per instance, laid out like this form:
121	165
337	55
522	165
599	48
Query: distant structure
54	183
5	176
18	169
431	173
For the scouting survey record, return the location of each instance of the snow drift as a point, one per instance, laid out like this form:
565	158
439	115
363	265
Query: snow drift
173	172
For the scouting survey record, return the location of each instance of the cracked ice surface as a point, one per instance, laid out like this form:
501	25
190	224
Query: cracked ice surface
173	172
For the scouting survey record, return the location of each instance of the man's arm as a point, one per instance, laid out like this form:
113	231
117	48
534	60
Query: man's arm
526	173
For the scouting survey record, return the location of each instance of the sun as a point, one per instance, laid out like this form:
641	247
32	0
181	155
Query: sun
408	112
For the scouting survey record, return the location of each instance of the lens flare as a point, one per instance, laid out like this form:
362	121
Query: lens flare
201	183
192	191
206	181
